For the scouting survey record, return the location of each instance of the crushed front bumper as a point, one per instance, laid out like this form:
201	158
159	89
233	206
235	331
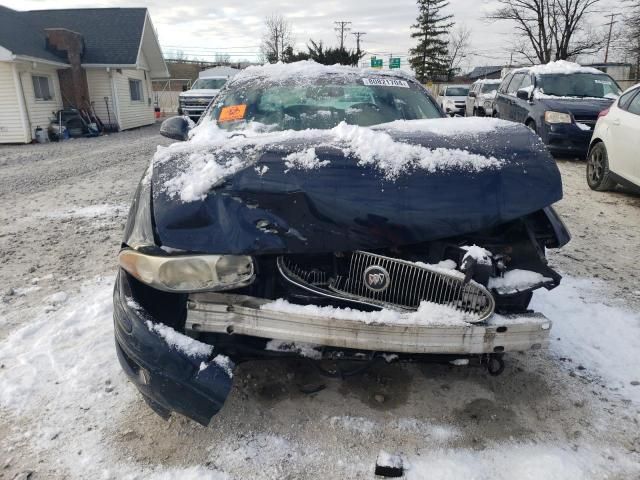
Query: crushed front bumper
225	313
169	379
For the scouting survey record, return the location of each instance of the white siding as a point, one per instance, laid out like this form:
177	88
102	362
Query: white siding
133	113
40	112
100	87
11	126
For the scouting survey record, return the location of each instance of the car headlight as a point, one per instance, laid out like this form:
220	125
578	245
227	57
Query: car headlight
189	273
557	117
138	232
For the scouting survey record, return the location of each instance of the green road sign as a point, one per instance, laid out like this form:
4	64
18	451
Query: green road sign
394	63
376	62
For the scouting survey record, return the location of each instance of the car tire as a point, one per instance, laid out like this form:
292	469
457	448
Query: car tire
598	173
532	125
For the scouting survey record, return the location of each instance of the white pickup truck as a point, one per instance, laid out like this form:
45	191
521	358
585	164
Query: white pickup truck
195	101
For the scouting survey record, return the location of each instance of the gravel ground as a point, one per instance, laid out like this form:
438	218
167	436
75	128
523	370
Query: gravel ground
64	208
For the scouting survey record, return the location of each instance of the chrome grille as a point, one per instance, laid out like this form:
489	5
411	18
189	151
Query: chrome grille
410	284
314	277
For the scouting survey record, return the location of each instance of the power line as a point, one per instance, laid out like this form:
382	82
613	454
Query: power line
358	35
343	28
611	22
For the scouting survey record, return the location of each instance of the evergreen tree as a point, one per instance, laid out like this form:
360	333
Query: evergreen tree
429	58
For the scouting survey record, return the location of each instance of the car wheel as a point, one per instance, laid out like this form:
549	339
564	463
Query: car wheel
532	125
598	173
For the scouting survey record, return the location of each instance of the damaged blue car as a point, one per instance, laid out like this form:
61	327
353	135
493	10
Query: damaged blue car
331	213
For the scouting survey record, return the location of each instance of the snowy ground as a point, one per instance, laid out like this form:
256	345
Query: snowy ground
66	410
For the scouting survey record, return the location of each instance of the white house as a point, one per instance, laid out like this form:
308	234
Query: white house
99	58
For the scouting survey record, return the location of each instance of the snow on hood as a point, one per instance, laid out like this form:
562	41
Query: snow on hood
212	154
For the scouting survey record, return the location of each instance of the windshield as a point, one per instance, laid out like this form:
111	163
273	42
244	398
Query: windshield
209	83
322	103
457	92
578	85
489	87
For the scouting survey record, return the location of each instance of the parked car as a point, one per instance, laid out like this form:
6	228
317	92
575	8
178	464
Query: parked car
560	101
452	99
481	98
330	212
615	145
194	102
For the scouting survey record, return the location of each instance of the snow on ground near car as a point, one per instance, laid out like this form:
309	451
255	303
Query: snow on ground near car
61	382
91	212
593	333
213	154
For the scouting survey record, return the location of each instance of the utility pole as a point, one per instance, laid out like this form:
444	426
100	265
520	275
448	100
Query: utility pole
342	28
611	22
358	35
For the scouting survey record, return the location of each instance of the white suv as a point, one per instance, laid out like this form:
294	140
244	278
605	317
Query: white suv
481	96
452	99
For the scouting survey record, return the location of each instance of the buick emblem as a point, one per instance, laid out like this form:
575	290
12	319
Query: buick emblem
376	278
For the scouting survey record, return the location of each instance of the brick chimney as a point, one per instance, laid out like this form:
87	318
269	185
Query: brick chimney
69	45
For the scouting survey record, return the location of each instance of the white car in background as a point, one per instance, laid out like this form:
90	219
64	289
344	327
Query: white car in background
481	96
614	152
452	99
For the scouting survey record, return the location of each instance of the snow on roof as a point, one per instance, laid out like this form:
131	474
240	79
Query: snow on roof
308	69
559	67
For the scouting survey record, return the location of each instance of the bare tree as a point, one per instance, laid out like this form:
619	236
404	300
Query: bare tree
632	35
222	58
277	37
552	29
458	49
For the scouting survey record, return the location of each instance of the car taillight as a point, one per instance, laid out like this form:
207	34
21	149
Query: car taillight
603	113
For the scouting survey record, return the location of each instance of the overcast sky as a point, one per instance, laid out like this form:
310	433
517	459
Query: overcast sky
235	27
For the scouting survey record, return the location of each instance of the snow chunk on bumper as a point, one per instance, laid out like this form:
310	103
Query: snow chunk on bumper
427	314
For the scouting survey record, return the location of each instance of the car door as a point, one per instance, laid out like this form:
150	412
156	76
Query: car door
471	100
628	149
501	102
520	108
510	97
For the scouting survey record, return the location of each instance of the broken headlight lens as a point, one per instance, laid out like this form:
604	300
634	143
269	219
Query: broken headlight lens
189	273
557	117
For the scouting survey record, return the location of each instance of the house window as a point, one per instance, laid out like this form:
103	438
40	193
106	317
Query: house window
42	87
135	90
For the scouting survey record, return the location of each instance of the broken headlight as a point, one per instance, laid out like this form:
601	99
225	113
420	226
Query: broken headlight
189	273
138	232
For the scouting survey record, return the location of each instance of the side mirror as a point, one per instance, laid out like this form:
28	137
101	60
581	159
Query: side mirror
472	94
523	94
184	88
176	128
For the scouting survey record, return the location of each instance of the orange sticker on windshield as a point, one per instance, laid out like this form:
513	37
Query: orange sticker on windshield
231	113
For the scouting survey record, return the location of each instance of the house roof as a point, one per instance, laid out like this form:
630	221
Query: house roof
478	72
112	36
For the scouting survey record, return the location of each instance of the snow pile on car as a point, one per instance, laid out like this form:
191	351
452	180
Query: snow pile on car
561	67
213	154
427	314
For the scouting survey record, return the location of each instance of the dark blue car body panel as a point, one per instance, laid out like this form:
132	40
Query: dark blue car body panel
168	379
345	206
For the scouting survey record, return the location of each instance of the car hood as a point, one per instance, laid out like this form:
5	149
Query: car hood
200	92
454	99
577	106
343	189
